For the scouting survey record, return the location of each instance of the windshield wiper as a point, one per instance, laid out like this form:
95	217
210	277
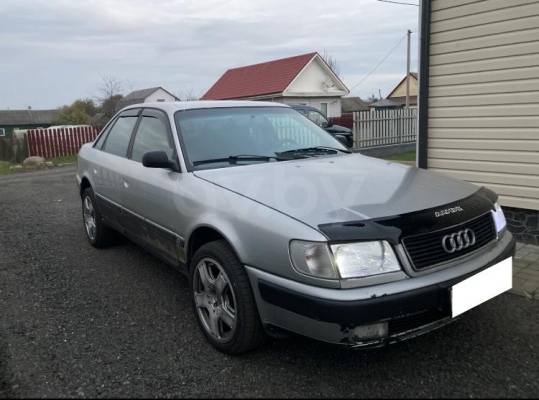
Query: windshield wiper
324	149
235	159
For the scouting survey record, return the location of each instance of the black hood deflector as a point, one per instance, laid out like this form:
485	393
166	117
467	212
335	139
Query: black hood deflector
394	228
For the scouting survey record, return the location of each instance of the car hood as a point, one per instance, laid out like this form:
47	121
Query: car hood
338	129
340	188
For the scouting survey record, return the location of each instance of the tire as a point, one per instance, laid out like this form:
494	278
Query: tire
219	299
100	235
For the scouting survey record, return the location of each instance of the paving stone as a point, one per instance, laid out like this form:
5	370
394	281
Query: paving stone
521	263
529	271
531	257
528	277
521	254
517	282
534	266
531	248
530	287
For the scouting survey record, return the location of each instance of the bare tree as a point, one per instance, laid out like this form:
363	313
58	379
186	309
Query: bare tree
110	87
332	62
187	94
111	92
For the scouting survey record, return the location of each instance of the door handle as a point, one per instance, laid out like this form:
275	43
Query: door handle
126	182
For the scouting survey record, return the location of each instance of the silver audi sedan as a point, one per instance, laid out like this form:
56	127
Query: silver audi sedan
281	228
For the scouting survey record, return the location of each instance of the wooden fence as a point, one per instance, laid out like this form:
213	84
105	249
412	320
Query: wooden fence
346	120
382	128
50	143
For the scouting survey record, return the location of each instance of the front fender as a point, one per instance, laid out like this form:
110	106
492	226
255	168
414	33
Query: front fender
259	235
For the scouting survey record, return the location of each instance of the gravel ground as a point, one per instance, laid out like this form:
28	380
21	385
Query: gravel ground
81	322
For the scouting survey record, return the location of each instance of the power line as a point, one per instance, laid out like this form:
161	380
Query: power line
380	63
397	2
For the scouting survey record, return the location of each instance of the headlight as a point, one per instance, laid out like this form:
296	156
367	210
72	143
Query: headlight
313	258
351	260
356	260
499	218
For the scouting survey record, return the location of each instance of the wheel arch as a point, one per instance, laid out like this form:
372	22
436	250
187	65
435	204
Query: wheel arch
202	235
84	184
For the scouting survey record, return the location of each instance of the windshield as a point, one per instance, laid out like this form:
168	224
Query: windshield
226	137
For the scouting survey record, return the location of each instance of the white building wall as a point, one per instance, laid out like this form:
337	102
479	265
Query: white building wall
313	79
334	103
158	95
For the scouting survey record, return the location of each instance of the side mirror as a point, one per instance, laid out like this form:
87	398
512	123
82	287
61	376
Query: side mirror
342	139
158	159
330	124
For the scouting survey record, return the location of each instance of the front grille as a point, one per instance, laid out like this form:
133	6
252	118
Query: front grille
427	251
415	321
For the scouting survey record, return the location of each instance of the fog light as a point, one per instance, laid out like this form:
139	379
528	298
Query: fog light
370	332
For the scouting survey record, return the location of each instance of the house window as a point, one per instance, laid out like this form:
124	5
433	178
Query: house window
324	108
2	132
160	100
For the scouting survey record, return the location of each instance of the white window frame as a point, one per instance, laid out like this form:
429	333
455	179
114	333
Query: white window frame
322	109
2	132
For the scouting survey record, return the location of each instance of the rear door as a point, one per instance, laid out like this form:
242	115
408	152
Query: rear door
110	165
148	193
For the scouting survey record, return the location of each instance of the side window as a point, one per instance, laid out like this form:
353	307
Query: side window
101	139
316	117
117	140
152	134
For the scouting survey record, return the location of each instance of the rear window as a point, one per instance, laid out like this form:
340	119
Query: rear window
117	140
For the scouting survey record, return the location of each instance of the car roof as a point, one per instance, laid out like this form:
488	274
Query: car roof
174	106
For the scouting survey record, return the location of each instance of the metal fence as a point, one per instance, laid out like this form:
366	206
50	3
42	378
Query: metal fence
382	128
57	142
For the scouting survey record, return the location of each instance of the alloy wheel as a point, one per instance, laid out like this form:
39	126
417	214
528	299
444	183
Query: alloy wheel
89	218
215	300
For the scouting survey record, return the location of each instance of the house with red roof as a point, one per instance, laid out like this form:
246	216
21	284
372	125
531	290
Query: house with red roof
304	79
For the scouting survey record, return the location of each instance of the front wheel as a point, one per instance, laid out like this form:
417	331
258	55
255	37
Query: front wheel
222	300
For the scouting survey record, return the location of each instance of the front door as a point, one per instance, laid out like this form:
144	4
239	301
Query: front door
148	193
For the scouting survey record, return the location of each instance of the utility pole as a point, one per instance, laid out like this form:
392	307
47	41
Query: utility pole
408	71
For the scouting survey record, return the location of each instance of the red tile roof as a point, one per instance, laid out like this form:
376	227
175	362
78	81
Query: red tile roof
258	79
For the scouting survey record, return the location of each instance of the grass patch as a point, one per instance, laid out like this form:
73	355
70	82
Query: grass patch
4	167
56	161
408	156
63	159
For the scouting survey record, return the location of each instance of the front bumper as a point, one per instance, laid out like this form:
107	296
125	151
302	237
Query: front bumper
410	307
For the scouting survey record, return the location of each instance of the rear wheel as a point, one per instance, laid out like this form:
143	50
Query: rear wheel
97	233
222	300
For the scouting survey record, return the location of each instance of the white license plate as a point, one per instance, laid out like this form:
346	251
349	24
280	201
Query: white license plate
481	287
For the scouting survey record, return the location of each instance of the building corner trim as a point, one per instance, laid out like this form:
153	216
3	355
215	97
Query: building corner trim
423	99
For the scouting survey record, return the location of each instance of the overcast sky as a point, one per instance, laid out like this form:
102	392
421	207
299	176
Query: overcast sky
55	51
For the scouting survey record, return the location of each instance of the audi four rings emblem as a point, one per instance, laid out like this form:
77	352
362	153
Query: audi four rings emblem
458	241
